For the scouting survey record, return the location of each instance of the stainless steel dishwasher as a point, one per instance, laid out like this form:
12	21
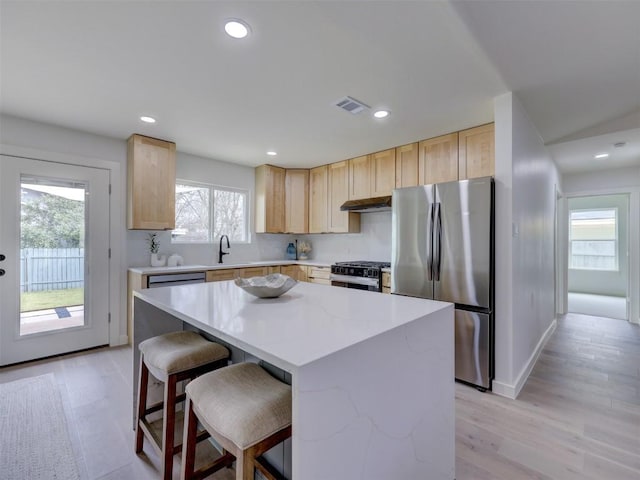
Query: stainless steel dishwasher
169	279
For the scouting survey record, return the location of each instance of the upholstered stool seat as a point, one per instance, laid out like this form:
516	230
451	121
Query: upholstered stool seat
245	410
179	351
171	358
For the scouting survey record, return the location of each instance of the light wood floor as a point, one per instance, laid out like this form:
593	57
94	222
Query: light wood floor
578	416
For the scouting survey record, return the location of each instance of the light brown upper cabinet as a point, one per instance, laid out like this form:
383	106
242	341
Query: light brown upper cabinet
297	201
337	194
318	208
359	177
477	152
383	172
438	159
151	183
270	199
407	165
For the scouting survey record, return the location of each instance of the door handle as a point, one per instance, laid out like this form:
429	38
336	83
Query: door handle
2	272
430	244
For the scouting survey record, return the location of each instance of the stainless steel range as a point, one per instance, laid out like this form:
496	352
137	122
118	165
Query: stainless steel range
363	275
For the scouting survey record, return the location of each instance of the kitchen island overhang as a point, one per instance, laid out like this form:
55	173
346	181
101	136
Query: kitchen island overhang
372	374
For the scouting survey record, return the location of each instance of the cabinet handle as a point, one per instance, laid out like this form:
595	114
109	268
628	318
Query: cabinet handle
2	257
2	272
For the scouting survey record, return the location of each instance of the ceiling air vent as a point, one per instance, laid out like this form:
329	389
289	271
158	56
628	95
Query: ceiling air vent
351	105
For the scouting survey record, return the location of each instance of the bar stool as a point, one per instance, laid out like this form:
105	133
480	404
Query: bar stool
245	410
171	358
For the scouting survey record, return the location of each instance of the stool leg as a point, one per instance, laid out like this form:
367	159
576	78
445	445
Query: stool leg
189	441
168	426
143	384
244	467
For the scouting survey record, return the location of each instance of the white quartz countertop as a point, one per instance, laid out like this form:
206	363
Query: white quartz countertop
222	266
307	323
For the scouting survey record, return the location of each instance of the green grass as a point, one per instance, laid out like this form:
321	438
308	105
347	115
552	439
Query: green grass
30	301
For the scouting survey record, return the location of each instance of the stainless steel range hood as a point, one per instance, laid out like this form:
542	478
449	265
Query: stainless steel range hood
376	204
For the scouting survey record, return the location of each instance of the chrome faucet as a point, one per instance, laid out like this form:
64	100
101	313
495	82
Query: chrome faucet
220	252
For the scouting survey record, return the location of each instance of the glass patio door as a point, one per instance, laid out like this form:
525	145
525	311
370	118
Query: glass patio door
54	277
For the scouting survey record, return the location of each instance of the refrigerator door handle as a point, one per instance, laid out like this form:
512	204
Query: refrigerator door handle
437	239
430	242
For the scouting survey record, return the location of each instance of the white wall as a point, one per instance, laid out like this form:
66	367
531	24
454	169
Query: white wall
372	243
622	180
214	172
526	184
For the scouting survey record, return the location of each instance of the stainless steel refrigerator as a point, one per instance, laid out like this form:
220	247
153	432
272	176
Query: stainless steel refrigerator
443	249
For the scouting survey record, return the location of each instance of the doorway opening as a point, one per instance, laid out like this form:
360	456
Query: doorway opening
52	254
598	276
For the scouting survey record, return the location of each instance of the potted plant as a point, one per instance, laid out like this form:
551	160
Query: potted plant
304	248
154	248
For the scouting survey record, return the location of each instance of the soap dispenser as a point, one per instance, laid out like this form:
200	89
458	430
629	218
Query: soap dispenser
291	251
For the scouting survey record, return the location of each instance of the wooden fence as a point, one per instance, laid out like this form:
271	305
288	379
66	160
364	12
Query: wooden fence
51	269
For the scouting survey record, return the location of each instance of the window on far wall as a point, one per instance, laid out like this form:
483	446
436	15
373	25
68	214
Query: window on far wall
205	212
593	239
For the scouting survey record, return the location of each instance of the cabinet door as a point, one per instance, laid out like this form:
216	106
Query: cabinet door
338	193
319	275
298	272
254	272
270	199
151	183
439	159
359	178
221	275
297	201
383	172
318	200
407	165
386	282
477	152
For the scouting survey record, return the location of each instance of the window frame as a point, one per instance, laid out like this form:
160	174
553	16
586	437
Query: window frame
212	189
616	240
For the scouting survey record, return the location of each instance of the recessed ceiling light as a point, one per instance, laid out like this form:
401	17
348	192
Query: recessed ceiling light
236	28
148	119
272	153
602	155
381	113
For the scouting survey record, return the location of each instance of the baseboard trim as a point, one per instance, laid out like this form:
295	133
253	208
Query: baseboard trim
512	391
122	340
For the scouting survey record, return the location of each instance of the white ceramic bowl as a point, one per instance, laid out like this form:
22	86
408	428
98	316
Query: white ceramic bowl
270	286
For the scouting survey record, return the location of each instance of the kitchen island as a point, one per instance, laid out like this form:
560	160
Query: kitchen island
372	375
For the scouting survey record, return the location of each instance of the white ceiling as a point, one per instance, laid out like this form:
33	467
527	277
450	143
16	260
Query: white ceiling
97	66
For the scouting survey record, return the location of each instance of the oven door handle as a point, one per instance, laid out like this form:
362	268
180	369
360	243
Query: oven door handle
372	282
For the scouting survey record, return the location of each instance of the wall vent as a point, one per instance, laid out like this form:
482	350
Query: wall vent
351	105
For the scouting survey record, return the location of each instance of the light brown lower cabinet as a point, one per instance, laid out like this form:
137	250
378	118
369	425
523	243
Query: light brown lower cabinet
386	282
319	275
297	272
233	273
